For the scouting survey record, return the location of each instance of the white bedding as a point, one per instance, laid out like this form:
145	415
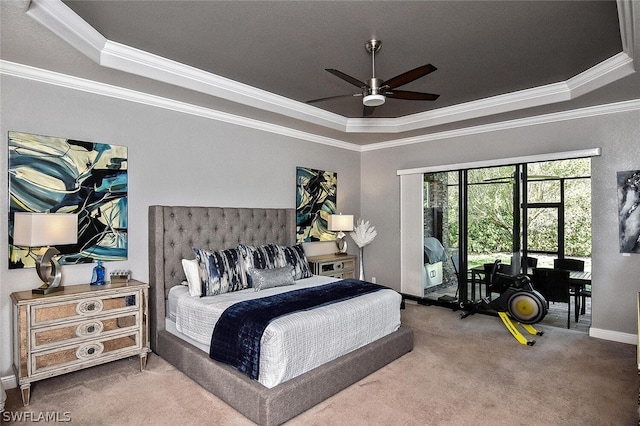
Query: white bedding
296	343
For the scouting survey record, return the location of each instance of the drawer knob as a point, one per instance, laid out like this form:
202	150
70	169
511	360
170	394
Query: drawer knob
89	307
89	351
89	328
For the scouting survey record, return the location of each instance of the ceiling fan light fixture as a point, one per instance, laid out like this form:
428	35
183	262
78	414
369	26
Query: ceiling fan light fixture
373	100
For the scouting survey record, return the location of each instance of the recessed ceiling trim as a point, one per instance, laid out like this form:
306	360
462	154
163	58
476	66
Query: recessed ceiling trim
128	59
608	71
60	19
103	89
625	18
612	69
64	22
614	108
536	96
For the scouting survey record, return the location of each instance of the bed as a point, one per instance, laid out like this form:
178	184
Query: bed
173	233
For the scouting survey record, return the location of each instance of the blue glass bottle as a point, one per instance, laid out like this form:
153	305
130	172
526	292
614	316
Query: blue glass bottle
98	274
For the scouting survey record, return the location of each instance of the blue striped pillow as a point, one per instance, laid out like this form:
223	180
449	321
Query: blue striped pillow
260	257
220	271
295	256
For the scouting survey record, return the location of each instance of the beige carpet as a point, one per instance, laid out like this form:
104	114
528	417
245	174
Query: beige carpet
461	372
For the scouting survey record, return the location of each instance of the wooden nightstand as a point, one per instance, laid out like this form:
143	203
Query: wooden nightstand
78	327
333	265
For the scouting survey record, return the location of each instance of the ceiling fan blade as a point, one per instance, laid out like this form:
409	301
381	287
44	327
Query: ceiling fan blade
411	96
367	111
347	78
409	76
333	97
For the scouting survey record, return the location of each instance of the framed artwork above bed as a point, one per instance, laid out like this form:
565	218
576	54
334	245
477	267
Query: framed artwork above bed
316	192
59	175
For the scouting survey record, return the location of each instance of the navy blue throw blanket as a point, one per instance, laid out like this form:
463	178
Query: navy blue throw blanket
236	336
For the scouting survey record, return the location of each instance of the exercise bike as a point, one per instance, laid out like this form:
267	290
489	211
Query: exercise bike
518	304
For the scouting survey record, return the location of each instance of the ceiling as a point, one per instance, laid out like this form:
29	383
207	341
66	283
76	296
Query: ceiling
494	58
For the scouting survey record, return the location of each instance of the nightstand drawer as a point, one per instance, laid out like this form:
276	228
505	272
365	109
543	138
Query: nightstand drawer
53	313
89	352
336	267
41	338
340	275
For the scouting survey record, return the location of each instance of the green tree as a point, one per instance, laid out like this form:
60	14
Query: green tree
490	207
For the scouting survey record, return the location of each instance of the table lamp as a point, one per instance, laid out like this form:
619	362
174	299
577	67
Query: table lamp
45	230
341	223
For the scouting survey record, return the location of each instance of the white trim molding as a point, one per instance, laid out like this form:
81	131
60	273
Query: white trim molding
565	155
76	83
102	89
61	20
614	336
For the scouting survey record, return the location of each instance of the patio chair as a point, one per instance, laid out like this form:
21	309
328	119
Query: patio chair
554	285
574	265
527	263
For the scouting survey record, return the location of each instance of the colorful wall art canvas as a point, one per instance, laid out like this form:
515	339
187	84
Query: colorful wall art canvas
315	201
629	211
69	176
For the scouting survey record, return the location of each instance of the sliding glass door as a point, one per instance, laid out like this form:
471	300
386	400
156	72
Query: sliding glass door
472	217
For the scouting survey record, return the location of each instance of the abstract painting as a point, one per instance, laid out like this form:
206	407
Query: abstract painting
58	175
629	211
315	202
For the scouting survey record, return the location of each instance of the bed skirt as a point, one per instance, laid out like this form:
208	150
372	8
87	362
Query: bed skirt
277	405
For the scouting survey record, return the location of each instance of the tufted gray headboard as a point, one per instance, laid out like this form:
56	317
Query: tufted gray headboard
175	230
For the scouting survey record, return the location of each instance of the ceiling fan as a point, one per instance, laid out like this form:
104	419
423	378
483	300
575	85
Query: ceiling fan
375	90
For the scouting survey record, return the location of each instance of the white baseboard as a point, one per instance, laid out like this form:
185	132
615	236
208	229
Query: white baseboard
615	336
9	382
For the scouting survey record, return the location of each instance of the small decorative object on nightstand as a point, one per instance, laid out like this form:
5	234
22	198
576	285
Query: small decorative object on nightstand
98	274
77	327
332	265
120	276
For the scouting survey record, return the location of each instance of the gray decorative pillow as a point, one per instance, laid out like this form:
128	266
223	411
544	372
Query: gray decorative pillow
220	271
268	278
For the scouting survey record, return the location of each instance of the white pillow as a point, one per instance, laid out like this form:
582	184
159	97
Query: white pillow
191	269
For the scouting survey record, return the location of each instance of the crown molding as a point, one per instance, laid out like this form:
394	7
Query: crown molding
102	89
66	24
60	19
614	108
125	58
625	18
75	83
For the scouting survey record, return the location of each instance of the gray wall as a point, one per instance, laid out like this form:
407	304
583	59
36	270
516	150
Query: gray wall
174	159
615	277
